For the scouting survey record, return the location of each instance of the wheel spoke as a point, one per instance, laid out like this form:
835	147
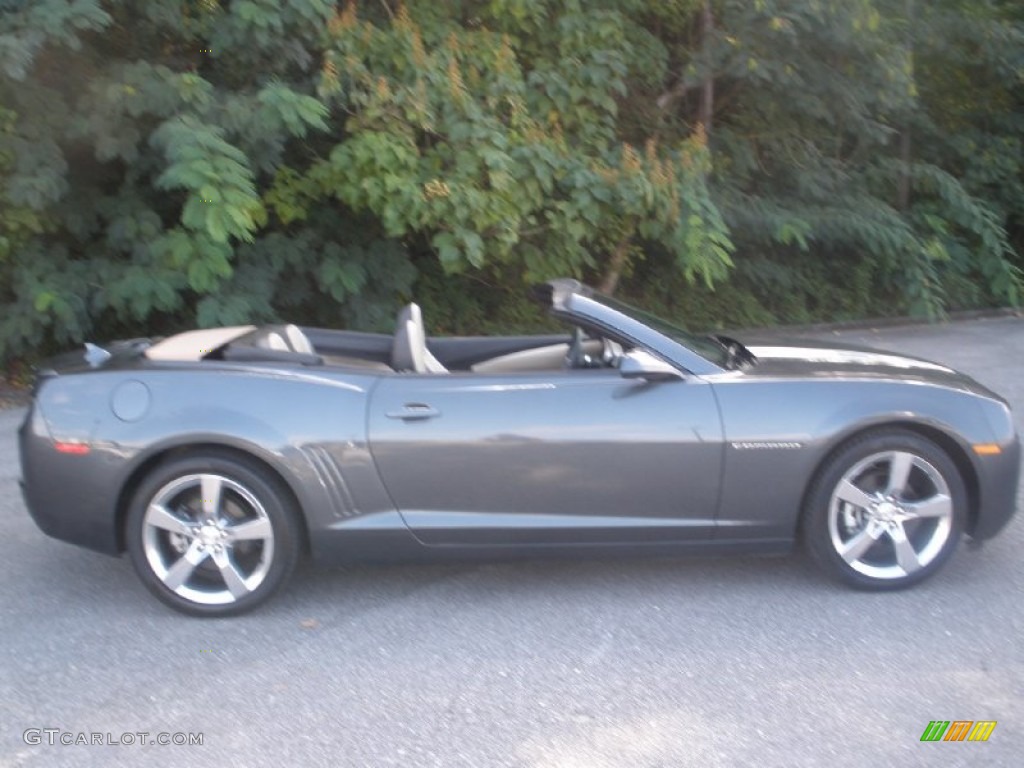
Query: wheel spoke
232	578
859	544
899	472
893	492
211	489
906	556
939	505
849	492
251	529
161	517
183	567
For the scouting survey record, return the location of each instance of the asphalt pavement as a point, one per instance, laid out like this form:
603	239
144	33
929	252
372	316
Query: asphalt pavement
578	664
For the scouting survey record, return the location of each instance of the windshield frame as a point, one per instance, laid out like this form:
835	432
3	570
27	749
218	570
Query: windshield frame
582	305
706	347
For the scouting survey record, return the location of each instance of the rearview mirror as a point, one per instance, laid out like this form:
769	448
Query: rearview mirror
638	364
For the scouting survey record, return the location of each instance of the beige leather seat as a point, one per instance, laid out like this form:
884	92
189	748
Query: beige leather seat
298	341
409	349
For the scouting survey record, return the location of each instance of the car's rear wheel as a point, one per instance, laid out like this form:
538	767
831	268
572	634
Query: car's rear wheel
886	511
212	535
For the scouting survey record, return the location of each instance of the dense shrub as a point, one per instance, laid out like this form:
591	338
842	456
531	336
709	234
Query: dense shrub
166	164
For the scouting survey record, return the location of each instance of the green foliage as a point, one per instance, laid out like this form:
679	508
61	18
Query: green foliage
167	163
137	141
830	108
495	157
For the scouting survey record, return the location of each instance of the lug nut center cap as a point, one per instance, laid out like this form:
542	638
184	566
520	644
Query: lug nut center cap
210	535
886	511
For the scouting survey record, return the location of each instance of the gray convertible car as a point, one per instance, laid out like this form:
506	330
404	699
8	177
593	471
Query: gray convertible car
217	458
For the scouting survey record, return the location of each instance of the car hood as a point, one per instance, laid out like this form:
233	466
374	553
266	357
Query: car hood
809	359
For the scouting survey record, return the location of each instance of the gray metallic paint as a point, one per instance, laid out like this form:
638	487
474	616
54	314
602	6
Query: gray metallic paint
567	457
820	415
531	463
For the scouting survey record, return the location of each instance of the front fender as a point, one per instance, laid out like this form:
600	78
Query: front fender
779	432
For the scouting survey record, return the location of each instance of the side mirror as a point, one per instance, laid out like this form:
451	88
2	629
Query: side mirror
638	364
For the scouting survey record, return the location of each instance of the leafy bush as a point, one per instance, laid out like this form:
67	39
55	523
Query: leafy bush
170	163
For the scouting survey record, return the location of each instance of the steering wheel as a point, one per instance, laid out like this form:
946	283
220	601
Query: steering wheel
577	356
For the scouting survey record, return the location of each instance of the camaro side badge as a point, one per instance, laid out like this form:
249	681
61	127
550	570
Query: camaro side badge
767	445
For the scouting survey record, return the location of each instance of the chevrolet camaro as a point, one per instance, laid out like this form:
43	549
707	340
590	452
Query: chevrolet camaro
217	458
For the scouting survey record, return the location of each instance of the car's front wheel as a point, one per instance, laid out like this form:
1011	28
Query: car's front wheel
212	535
886	511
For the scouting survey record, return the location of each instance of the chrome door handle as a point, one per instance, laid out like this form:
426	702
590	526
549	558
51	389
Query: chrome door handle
414	412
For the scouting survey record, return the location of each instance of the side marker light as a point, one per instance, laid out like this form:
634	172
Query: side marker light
987	449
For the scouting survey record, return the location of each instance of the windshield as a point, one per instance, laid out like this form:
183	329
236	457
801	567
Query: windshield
705	346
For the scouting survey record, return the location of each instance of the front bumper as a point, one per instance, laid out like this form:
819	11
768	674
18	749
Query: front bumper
998	481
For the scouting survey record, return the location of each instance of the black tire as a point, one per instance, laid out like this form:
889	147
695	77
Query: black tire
896	536
219	557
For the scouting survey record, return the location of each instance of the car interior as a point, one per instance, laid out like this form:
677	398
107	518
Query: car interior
409	350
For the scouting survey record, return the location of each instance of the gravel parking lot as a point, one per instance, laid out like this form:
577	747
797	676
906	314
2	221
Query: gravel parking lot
728	662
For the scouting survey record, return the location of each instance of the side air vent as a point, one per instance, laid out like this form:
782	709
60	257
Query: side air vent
329	474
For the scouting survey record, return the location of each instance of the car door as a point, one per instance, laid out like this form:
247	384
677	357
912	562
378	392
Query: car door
573	457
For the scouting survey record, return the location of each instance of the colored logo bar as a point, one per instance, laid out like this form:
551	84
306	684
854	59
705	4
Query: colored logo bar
958	730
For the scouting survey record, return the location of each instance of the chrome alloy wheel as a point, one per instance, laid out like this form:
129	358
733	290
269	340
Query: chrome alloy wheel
208	539
890	515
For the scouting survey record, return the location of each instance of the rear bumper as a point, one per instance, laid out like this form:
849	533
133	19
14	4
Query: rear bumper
999	478
69	497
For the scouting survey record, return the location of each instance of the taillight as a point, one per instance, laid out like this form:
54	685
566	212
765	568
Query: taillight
75	449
